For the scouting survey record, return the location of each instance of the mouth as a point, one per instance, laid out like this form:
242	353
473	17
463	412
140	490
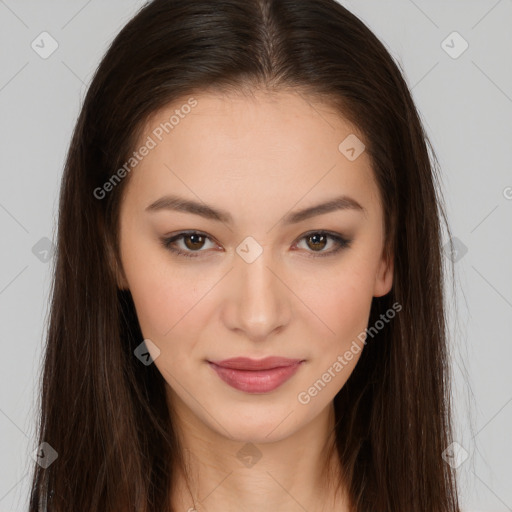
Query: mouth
256	376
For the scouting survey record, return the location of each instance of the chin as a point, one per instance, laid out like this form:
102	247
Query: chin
259	426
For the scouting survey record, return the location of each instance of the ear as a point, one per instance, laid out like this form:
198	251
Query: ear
384	276
116	268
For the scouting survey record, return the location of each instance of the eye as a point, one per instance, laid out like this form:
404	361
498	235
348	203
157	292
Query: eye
194	241
318	240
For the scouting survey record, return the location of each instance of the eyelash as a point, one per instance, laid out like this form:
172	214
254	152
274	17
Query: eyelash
343	243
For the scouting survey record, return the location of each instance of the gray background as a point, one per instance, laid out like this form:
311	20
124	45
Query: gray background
466	106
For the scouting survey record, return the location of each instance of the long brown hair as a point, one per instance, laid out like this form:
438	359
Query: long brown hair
103	411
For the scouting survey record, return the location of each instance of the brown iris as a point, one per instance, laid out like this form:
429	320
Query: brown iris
319	241
196	241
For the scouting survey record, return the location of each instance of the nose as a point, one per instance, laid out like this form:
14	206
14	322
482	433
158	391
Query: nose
258	306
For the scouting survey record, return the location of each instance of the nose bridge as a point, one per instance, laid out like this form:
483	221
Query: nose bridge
256	277
259	302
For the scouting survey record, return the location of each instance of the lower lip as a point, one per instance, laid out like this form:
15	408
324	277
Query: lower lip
256	381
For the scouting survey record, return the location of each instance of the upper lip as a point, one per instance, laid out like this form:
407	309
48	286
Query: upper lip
245	363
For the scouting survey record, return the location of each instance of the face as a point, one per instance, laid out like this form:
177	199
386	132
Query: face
252	270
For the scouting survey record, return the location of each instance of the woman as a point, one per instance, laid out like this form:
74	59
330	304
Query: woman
247	305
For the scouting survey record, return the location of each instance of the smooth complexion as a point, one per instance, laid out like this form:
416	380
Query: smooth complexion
259	160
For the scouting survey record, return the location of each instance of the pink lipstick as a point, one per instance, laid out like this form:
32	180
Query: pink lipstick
256	375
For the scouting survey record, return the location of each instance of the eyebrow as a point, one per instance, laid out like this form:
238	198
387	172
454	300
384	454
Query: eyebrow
180	204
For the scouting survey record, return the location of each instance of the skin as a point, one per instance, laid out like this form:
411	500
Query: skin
259	158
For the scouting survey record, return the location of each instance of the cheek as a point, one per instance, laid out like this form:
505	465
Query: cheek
341	301
167	305
343	304
165	301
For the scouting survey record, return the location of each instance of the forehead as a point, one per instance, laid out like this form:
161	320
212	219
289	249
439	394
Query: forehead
267	148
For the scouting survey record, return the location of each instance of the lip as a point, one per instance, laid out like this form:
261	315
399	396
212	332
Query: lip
246	363
256	375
